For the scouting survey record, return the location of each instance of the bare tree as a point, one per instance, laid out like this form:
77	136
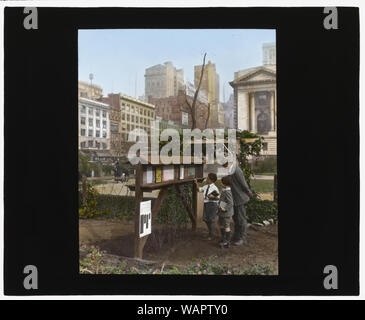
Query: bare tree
193	106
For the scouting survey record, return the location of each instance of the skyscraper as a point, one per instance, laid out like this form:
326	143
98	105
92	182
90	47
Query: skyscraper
210	84
163	80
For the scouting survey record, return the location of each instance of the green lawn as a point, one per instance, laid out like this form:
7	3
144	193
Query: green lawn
262	186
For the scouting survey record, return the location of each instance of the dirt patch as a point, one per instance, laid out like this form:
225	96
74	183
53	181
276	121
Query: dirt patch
180	246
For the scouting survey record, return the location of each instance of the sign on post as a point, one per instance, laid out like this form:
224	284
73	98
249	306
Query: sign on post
145	218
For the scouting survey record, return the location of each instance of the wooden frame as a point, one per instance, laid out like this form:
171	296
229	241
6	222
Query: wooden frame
163	186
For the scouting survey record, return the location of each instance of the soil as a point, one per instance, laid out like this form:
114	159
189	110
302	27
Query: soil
180	246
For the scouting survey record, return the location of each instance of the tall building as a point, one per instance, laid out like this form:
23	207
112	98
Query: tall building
210	84
163	80
228	112
93	125
135	114
90	91
269	54
175	110
255	105
116	148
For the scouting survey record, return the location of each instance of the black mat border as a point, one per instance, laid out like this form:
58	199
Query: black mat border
318	87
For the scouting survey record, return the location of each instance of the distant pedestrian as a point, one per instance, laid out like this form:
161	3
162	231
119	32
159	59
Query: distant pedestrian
117	172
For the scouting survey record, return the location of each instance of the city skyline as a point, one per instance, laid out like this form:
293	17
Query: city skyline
116	69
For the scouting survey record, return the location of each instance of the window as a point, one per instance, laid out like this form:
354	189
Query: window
148	112
127	107
83	120
128	127
132	118
144	111
97	133
98	123
83	144
132	109
91	122
104	114
104	145
83	109
97	144
90	143
145	121
264	146
104	124
91	132
83	132
104	134
91	111
128	119
123	116
137	119
113	127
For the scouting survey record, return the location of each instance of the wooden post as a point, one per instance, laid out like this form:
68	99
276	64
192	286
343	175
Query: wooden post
138	249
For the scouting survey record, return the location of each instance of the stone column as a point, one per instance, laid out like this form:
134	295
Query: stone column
243	111
272	110
252	112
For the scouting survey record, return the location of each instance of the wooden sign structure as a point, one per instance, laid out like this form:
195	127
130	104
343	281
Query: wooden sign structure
161	177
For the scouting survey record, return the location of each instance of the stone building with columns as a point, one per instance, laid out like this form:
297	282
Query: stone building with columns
255	104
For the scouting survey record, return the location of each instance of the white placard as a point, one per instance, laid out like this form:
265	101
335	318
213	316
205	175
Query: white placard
168	173
149	175
182	171
145	218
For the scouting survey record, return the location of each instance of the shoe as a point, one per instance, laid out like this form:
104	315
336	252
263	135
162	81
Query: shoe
224	244
239	242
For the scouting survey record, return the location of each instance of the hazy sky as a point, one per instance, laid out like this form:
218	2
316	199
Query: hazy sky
118	58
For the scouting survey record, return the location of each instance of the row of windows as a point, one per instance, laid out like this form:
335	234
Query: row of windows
91	122
136	119
93	144
132	127
91	111
138	110
91	133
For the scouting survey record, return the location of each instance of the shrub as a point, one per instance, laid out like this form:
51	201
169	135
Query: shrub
258	210
173	211
88	206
